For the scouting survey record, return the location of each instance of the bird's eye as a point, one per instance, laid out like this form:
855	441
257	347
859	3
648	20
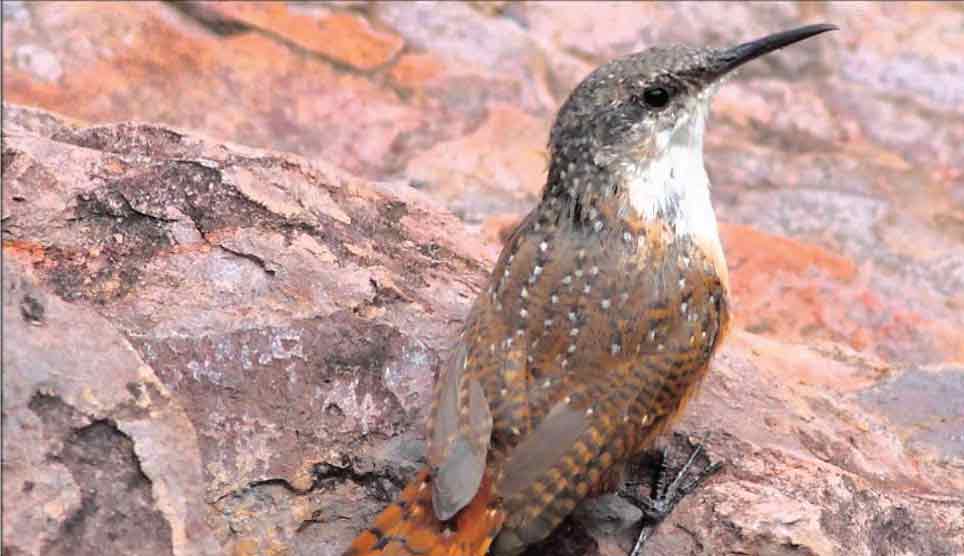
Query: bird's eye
656	97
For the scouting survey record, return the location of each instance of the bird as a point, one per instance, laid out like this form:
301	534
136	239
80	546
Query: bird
597	324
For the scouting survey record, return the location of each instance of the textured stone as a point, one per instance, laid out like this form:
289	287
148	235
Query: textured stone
473	179
341	37
151	62
292	314
99	456
846	473
607	515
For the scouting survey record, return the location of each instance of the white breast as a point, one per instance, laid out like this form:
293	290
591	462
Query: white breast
675	185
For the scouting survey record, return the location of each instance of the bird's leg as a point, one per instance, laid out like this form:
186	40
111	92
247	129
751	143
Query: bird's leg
667	494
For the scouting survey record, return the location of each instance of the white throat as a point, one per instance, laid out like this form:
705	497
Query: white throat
675	186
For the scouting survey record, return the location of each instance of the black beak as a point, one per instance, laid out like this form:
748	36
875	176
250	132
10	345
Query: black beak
729	59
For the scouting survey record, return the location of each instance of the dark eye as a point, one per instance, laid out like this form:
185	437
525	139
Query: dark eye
656	97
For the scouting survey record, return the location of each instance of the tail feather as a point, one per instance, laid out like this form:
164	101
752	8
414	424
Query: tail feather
408	527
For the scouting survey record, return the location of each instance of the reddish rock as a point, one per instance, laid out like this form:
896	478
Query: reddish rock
339	36
149	62
838	467
414	70
98	454
496	229
294	313
471	176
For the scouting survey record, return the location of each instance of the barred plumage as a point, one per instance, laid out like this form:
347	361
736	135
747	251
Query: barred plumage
599	321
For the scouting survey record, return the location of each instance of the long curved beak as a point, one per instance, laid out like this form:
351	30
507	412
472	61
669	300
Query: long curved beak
729	59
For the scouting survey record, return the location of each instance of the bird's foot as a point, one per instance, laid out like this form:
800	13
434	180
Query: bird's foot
666	493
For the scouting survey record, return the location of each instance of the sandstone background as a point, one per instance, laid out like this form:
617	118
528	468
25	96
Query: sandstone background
238	237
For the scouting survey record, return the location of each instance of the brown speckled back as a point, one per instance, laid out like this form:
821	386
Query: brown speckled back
617	326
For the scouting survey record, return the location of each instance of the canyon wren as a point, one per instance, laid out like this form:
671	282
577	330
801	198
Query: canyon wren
597	324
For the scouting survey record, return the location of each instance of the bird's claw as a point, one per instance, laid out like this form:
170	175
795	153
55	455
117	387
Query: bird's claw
667	494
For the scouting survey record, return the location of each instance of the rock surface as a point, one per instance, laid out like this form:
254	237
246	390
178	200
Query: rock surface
295	314
211	348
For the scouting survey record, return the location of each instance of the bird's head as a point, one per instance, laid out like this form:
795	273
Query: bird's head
639	104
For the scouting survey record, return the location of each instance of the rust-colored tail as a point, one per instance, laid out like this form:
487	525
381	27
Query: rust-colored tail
409	527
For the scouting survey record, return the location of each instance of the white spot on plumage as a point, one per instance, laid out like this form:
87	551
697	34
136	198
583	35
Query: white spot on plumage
604	303
543	246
